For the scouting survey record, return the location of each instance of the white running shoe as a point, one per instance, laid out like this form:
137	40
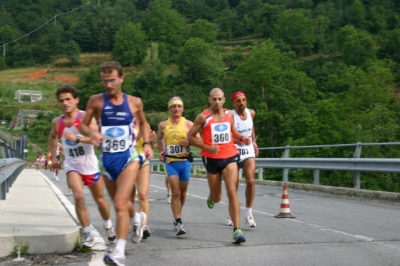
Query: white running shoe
180	229
114	258
111	235
250	220
168	199
87	240
229	221
68	193
137	229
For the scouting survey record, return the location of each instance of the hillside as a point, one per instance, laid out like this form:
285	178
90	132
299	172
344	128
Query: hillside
32	79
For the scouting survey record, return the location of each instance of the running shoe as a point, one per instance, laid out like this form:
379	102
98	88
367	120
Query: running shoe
114	258
87	240
238	237
229	221
146	232
180	230
210	203
168	199
137	229
250	220
111	235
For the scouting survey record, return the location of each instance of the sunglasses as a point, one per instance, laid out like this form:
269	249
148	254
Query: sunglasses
243	100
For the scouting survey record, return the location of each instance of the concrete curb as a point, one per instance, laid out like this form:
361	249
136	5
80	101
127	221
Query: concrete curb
33	215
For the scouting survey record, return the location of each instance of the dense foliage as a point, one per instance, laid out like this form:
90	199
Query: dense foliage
315	71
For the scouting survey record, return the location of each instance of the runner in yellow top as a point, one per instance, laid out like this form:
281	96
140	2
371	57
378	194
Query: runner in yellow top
173	146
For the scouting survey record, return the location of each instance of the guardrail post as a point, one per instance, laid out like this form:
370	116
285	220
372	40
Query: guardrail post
260	173
240	175
357	174
3	190
194	169
316	177
3	149
285	177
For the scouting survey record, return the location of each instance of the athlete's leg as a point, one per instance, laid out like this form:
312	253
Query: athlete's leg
143	184
97	190
74	181
176	205
124	184
230	174
214	183
249	167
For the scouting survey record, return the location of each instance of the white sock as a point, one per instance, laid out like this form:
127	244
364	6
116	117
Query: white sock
108	223
136	219
120	246
248	211
87	229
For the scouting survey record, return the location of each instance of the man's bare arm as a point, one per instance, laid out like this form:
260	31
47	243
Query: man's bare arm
85	128
194	133
53	139
160	137
143	127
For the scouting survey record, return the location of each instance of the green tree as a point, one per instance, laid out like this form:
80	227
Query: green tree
280	94
199	63
130	44
296	29
390	46
39	130
72	52
3	64
356	14
165	26
95	27
149	83
356	46
8	33
325	125
90	80
204	29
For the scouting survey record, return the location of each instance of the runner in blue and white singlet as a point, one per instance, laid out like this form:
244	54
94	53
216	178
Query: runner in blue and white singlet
119	137
116	113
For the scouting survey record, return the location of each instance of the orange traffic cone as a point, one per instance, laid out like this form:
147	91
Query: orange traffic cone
285	206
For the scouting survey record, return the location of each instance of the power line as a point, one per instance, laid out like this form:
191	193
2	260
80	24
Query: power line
55	17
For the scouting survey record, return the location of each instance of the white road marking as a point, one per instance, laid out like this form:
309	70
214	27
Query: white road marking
318	227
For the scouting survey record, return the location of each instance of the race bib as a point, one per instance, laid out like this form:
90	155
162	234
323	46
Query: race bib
175	150
221	133
243	151
73	150
115	138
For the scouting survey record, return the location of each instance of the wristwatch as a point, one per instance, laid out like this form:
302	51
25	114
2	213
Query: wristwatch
78	138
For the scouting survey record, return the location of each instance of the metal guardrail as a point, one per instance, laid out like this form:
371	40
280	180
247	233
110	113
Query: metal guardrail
355	164
9	171
380	166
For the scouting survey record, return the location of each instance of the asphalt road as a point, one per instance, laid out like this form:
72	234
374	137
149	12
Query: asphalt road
326	230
